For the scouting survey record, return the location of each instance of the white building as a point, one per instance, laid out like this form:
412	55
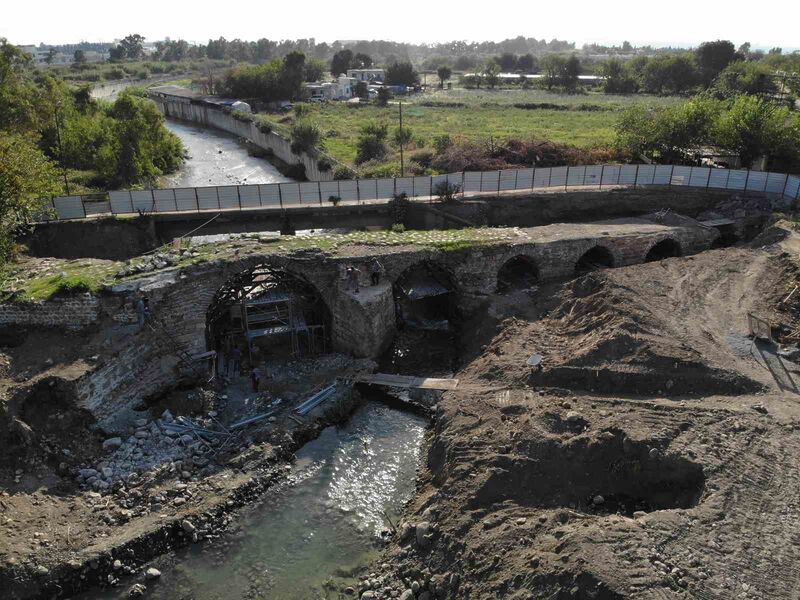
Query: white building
367	74
340	89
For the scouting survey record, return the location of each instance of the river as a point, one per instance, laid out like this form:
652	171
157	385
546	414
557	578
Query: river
217	158
320	525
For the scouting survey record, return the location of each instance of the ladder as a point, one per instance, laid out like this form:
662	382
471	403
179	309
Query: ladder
157	326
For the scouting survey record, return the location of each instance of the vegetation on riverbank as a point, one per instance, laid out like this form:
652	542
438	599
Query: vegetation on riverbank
57	139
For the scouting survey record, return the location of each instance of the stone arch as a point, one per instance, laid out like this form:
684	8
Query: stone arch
596	257
268	309
426	296
666	248
516	273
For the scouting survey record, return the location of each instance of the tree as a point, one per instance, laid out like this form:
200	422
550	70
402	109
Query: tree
754	127
361	90
669	74
402	137
667	134
27	178
552	65
742	77
527	63
116	53
51	54
507	62
491	74
79	58
616	78
314	69
361	61
570	73
141	148
134	46
712	57
371	143
341	62
444	74
401	73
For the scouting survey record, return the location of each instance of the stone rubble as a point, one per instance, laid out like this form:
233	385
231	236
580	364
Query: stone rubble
149	448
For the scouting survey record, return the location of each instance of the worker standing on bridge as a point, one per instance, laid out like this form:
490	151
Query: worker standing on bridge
142	310
376	270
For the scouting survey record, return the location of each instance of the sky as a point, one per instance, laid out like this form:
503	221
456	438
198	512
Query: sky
677	23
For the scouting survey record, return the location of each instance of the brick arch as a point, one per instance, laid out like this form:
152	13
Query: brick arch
267	270
664	248
516	266
594	257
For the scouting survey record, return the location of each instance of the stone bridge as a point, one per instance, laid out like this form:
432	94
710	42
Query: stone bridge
361	324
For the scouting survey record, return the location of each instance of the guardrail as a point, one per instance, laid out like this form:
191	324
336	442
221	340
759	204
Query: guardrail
363	191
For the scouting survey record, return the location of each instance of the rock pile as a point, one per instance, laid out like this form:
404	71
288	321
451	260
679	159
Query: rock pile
155	262
150	446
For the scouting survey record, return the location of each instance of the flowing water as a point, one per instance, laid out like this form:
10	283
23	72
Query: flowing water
217	158
323	523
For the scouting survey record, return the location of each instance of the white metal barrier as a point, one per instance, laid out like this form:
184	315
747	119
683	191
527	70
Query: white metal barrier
360	191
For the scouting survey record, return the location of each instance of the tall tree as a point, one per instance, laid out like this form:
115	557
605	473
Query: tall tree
444	74
401	73
134	46
361	61
26	178
341	62
712	57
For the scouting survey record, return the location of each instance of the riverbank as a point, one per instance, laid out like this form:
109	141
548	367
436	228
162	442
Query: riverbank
62	538
217	158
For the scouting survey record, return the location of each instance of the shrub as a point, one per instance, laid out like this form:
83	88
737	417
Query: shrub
445	191
398	228
342	173
264	126
301	110
72	285
398	207
324	164
422	157
442	143
306	137
372	143
334	200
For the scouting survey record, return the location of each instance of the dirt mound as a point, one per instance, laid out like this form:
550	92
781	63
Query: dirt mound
606	335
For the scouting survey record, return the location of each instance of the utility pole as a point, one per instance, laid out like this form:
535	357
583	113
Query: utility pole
402	164
60	148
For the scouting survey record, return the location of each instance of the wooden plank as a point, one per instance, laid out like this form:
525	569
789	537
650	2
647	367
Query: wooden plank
408	381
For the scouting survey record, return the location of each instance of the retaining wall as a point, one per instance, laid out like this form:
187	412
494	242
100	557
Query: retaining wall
213	117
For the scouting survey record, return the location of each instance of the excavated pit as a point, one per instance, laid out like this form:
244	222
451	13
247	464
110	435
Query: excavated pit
607	474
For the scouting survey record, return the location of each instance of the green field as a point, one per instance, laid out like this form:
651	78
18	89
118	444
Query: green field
583	120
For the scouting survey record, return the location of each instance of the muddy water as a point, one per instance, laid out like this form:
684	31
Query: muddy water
320	525
217	158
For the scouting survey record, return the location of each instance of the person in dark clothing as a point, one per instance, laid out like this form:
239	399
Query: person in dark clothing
376	270
235	362
255	378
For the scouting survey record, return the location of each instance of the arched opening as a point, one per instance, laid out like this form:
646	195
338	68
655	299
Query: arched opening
594	259
517	273
425	297
267	312
664	249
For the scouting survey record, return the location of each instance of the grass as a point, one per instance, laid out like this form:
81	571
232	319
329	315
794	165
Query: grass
582	120
56	278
